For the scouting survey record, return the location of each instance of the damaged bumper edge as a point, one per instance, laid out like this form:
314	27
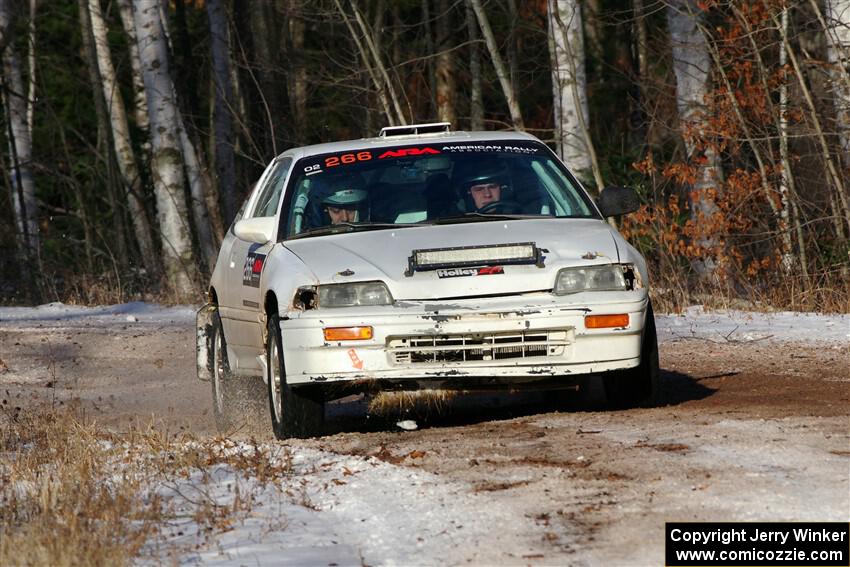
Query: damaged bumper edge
310	359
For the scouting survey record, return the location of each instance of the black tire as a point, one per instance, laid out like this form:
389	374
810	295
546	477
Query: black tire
638	386
294	411
229	395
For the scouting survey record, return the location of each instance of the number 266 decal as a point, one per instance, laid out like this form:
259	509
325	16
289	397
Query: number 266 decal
346	159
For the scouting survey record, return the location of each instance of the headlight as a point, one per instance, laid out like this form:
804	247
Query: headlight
354	294
596	278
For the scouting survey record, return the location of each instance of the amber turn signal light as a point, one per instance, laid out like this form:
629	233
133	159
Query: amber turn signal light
348	333
606	321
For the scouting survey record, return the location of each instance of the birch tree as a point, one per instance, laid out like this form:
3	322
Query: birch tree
837	14
569	85
166	157
691	65
140	103
127	165
19	158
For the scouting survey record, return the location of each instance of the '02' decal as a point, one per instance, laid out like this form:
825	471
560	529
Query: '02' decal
464	272
253	268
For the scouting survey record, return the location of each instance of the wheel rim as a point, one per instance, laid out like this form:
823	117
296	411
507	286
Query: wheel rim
218	371
274	381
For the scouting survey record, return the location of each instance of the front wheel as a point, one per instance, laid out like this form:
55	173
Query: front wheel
294	412
229	397
638	386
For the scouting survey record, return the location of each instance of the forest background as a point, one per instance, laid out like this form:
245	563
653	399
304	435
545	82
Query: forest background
132	130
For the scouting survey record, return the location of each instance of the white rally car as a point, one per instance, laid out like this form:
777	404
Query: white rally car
424	258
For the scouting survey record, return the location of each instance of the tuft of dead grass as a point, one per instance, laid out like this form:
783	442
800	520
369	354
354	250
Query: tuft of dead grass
824	292
73	494
417	401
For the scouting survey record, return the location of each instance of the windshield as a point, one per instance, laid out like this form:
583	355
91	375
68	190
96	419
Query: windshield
439	183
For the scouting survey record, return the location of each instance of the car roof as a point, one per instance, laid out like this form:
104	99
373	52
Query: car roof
407	139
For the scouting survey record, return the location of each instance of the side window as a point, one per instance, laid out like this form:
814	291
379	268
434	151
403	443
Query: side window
269	197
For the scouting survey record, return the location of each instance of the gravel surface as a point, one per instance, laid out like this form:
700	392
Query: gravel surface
748	429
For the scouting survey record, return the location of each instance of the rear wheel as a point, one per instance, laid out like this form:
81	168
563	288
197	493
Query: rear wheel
228	394
294	411
637	387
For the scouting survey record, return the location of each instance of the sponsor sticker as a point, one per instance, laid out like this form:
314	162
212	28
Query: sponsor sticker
253	268
465	272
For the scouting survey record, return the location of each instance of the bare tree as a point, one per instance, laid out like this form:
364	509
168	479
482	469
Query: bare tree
31	65
373	75
222	117
569	84
104	155
838	32
298	78
444	69
127	165
140	103
476	104
501	70
167	162
842	207
691	65
24	204
378	62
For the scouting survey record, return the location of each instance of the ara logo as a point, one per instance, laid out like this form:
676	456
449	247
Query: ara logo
402	152
464	272
253	269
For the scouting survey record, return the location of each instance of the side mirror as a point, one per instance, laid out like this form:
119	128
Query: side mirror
258	229
615	201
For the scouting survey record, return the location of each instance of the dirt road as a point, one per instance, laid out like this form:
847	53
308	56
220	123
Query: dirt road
747	431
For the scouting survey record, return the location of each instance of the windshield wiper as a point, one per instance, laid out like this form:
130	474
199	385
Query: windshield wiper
350	227
478	217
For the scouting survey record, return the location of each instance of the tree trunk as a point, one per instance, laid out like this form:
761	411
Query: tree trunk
501	71
691	64
476	103
298	77
24	204
430	49
223	119
133	187
444	69
140	103
167	162
266	58
838	33
380	69
832	168
366	59
103	140
569	85
31	66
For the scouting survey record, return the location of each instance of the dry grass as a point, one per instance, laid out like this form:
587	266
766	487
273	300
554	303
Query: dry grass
72	494
418	401
827	292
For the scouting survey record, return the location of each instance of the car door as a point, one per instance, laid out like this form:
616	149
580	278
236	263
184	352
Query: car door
243	304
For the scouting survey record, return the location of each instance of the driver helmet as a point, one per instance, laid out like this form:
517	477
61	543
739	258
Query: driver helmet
349	196
483	173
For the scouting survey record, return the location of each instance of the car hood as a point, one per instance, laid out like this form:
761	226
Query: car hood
383	255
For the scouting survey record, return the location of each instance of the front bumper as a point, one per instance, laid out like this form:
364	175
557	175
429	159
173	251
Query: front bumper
573	350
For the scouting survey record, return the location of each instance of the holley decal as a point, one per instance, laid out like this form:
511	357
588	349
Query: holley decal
464	272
